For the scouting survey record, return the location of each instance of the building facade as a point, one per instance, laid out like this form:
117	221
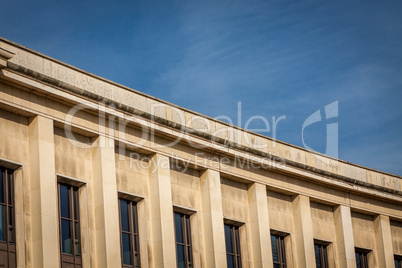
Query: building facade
95	174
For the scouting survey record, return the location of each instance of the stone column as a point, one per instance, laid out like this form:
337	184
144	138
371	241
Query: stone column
344	237
161	216
105	204
45	243
212	217
259	226
383	237
303	232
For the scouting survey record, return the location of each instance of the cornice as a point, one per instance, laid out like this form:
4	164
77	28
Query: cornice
205	136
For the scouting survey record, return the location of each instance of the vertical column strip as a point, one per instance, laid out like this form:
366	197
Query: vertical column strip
212	217
161	216
384	241
303	232
259	226
45	246
344	237
105	204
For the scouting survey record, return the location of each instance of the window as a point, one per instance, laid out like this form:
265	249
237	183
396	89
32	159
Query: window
232	239
183	240
129	234
278	251
7	219
69	221
361	258
321	258
398	261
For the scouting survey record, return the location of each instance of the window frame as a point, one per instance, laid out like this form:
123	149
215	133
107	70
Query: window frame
322	254
235	243
75	225
186	234
8	194
132	217
280	239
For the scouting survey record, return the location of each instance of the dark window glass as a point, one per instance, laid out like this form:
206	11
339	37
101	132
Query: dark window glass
64	202
126	240
69	226
184	249
361	259
398	261
178	228
278	251
275	248
232	240
230	260
130	248
66	236
2	222
321	259
124	215
1	187
7	217
181	263
357	256
228	239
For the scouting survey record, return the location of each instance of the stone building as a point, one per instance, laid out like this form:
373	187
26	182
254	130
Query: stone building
95	174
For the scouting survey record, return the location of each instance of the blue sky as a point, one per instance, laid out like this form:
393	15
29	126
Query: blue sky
278	58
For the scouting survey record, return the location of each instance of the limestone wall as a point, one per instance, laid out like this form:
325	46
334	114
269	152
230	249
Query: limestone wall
234	200
73	158
132	173
186	188
280	211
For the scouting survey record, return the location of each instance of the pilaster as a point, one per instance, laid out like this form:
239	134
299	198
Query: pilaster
383	237
259	226
163	240
105	204
344	237
212	216
45	245
303	232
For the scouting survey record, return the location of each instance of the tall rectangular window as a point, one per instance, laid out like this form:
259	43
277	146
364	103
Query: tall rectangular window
184	249
69	221
232	239
278	251
321	258
361	258
130	244
398	261
7	219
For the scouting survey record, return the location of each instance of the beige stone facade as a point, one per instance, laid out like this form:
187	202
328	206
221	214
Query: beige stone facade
59	124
